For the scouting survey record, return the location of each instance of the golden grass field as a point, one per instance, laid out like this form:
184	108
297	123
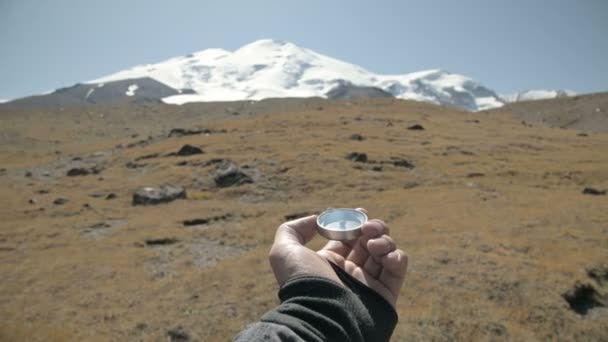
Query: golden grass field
492	217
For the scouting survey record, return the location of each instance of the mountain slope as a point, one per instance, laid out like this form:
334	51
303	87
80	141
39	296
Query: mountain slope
138	90
537	94
269	68
582	112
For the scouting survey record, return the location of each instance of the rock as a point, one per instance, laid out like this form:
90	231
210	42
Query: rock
592	191
475	174
178	335
357	137
189	150
28	174
228	174
111	196
180	132
207	220
152	195
357	157
377	168
60	201
161	241
416	127
584	297
147	156
32	201
402	163
81	171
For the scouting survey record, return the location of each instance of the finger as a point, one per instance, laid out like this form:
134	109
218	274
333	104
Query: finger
371	229
372	267
377	248
299	231
394	268
381	246
374	228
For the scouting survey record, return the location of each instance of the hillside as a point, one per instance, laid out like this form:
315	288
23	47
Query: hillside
582	112
503	242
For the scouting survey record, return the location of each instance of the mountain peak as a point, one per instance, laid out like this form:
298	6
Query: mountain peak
276	68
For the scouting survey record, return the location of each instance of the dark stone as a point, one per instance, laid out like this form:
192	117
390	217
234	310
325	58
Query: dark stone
111	196
161	241
32	201
178	335
403	163
475	174
416	127
152	195
584	297
133	165
195	222
228	174
180	132
583	135
139	143
147	156
357	137
28	174
357	157
377	168
204	221
82	171
188	150
60	201
592	191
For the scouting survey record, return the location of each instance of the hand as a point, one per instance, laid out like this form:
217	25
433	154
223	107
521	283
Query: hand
373	258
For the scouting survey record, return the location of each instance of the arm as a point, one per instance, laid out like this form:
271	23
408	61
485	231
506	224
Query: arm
344	292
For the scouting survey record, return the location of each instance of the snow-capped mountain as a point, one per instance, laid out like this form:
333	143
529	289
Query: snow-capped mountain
270	68
537	94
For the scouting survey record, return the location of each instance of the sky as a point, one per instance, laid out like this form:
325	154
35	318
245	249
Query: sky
508	46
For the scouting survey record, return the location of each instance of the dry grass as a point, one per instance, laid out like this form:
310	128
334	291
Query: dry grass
491	255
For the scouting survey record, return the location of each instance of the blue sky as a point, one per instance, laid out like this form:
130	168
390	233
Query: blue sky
507	45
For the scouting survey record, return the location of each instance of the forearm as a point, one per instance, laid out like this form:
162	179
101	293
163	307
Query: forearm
317	309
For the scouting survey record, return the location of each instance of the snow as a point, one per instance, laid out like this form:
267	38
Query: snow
131	89
537	94
89	93
3	101
271	68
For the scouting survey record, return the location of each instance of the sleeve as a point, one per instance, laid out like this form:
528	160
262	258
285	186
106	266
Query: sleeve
317	309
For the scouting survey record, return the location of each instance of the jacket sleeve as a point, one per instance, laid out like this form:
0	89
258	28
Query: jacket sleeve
317	309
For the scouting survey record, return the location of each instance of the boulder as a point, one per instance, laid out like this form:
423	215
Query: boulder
228	174
153	195
593	191
83	171
188	150
357	157
416	127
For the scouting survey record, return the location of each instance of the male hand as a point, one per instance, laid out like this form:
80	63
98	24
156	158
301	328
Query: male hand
373	258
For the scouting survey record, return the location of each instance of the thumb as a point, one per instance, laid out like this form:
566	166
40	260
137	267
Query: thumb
298	232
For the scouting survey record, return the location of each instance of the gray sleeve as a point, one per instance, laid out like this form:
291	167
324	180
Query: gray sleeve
264	331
